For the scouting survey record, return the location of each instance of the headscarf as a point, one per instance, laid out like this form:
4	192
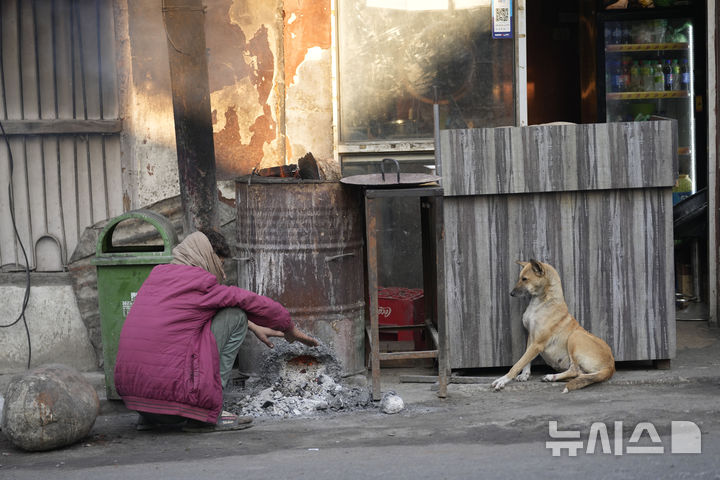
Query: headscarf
196	251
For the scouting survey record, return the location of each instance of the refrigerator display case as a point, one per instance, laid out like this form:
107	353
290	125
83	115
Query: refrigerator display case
651	63
648	67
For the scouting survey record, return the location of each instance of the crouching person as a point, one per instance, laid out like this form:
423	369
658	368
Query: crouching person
182	334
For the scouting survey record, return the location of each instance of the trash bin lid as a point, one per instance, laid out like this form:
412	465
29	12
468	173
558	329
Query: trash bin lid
109	254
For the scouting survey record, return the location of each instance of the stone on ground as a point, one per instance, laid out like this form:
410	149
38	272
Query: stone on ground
49	407
391	403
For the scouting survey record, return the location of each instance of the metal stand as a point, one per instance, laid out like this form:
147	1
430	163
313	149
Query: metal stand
433	283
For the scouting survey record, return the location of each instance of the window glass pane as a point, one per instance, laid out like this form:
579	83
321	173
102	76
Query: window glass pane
392	53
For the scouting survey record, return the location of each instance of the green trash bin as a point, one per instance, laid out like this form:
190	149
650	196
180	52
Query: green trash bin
121	270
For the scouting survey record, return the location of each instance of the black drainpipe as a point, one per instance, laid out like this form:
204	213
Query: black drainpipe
185	27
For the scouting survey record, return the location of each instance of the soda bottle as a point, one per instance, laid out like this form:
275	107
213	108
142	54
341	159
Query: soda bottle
684	75
618	79
617	34
676	74
667	76
626	75
682	189
635	78
626	34
658	79
646	71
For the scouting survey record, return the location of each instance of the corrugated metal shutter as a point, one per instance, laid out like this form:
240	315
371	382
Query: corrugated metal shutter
59	110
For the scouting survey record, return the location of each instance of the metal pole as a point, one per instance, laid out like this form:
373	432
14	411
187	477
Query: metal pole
185	29
436	131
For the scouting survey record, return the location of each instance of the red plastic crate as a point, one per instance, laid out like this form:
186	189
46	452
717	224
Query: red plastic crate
402	306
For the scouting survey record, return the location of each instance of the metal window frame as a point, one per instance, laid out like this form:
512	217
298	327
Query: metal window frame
374	149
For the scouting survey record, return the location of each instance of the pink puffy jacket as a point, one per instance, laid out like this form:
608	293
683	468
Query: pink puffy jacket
168	361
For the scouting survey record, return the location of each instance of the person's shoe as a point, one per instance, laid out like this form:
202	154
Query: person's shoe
228	418
226	422
143	424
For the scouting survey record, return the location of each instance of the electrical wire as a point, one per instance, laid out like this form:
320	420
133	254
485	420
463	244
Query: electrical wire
26	298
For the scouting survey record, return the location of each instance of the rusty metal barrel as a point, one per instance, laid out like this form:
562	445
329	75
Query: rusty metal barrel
301	243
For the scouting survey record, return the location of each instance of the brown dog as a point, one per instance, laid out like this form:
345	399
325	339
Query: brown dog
553	332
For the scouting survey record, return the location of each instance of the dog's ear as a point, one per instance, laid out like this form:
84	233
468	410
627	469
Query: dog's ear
537	267
521	263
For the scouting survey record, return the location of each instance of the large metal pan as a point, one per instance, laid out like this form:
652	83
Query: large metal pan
397	180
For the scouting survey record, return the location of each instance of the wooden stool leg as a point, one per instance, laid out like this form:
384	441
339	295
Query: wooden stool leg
371	225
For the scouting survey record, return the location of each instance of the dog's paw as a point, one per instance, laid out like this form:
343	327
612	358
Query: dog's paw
523	377
549	378
499	383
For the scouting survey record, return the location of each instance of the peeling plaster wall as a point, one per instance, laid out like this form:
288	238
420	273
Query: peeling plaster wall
246	89
270	77
308	78
149	137
270	82
271	97
308	111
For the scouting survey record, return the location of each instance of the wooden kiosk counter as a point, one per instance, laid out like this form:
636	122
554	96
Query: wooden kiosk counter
593	200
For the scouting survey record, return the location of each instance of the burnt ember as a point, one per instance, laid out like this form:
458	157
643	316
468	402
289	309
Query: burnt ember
296	380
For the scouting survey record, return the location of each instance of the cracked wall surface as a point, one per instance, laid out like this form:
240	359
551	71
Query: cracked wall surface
308	78
269	71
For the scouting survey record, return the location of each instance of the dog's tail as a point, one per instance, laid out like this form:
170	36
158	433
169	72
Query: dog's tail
586	379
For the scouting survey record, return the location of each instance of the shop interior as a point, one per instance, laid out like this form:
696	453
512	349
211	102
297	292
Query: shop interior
565	54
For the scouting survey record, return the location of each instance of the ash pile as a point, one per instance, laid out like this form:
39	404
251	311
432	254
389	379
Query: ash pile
295	380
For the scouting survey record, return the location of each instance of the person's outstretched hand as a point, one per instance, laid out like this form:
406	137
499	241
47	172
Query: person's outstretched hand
295	334
264	333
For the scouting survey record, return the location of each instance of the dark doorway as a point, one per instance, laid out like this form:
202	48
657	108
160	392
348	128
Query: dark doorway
553	61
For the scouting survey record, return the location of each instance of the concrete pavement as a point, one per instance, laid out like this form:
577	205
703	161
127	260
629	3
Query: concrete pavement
697	361
474	432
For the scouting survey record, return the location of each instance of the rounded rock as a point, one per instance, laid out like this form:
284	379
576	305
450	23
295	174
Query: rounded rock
49	407
391	403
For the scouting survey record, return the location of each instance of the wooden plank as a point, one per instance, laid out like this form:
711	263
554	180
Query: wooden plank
53	196
397	346
368	337
36	188
372	226
453	379
408	355
45	59
553	158
611	248
11	60
59	69
63	61
29	76
87	56
21	196
68	189
401	327
7	235
111	107
434	336
114	173
84	192
61	127
440	336
418	378
98	180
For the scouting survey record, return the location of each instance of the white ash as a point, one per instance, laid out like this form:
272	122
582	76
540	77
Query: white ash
296	380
